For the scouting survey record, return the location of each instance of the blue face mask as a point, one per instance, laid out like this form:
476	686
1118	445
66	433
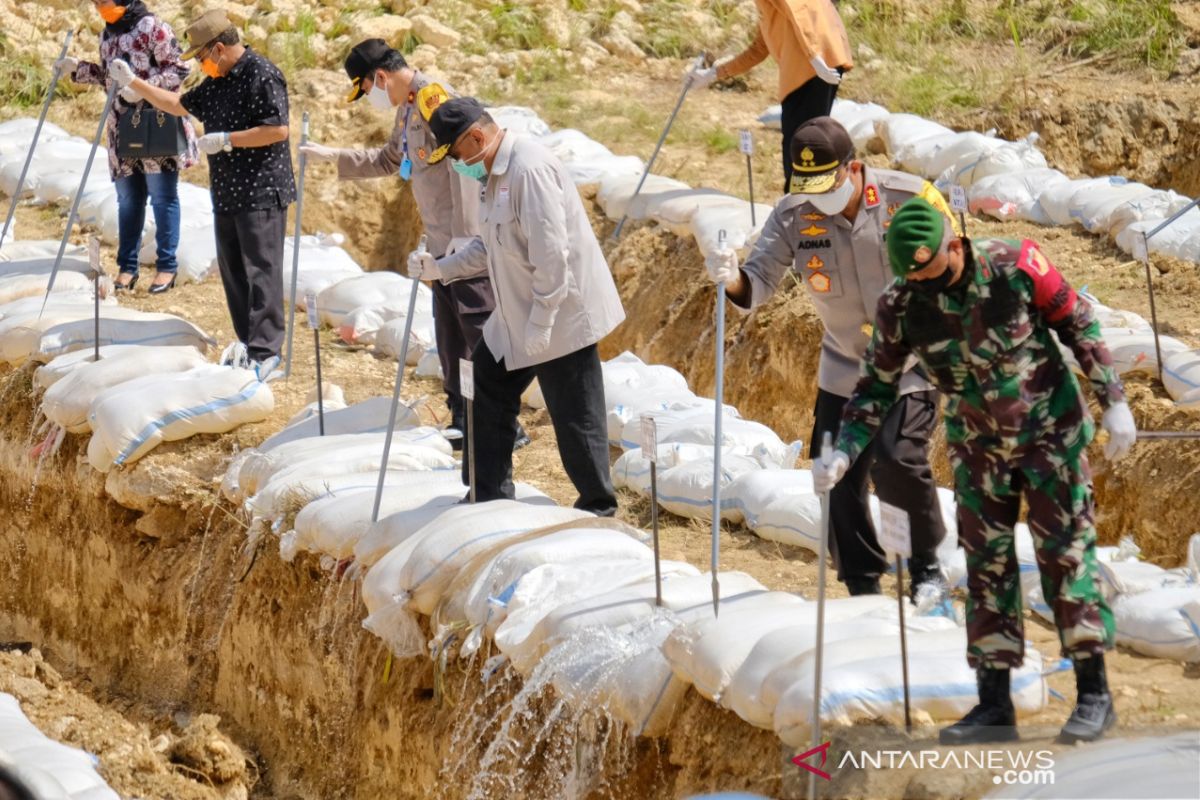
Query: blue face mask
477	170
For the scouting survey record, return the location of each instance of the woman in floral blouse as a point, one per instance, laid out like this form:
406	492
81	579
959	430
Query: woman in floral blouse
148	44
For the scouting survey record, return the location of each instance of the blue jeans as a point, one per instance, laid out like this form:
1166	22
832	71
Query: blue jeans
163	190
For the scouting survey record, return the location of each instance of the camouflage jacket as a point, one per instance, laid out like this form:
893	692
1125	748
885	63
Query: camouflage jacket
987	346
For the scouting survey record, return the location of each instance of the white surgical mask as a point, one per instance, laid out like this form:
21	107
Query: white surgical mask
834	202
378	97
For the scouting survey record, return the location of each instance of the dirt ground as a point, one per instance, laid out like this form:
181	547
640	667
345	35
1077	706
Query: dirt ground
1097	121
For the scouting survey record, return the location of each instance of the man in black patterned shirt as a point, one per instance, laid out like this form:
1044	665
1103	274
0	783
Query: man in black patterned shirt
244	107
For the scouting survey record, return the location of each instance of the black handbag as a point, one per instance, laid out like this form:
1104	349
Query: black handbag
145	132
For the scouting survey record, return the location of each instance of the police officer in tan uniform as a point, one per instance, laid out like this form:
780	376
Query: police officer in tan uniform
449	203
829	232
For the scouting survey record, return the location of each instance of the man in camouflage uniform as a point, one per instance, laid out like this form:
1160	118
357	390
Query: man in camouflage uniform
828	234
978	316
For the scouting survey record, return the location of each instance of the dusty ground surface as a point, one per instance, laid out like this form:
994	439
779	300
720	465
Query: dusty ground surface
188	638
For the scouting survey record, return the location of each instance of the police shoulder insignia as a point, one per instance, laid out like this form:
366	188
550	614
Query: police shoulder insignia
813	217
1033	259
820	282
871	193
813	230
429	98
893	208
815	263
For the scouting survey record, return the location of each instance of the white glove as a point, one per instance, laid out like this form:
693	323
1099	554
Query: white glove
1121	429
537	339
130	95
722	266
66	65
423	266
824	71
319	152
826	477
703	77
121	73
212	143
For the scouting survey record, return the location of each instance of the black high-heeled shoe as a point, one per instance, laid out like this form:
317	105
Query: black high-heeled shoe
160	288
126	287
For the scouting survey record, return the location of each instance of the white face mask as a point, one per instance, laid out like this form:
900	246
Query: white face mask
378	97
834	202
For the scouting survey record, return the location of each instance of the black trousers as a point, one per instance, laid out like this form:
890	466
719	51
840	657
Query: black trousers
460	310
250	256
897	461
573	386
814	98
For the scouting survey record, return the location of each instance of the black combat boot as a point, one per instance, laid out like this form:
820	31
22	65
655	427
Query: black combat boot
861	586
921	572
993	720
1094	713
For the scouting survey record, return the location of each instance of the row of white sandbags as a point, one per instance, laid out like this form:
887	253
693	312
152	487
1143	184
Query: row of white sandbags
50	769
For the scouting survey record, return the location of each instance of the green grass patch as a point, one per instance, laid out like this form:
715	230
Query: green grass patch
517	25
720	140
24	78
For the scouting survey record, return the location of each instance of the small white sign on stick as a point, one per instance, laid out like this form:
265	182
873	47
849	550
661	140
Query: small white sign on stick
895	531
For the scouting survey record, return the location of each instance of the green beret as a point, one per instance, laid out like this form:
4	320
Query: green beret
916	235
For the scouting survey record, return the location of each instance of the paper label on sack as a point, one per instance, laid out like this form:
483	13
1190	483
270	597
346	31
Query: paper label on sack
466	378
745	142
649	438
94	253
895	532
958	199
310	305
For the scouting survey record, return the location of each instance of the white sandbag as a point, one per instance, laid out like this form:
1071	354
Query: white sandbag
587	160
547	587
1131	576
60	367
15	287
60	186
1014	195
389	339
429	365
773	117
369	416
1181	376
333	399
795	519
1155	205
319	252
686	489
1055	200
862	681
857	118
676	210
52	769
131	419
36	264
1009	157
1115	769
732	218
750	494
441	548
696	425
67	402
519	119
1180	239
1164	623
1134	351
907	136
626	606
948	158
616	193
396	527
368	289
265	464
196	254
1093	206
773	647
287	495
117	326
39	249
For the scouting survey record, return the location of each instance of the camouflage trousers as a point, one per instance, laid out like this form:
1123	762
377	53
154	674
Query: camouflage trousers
989	483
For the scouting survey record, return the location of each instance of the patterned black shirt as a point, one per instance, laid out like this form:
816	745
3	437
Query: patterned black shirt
254	93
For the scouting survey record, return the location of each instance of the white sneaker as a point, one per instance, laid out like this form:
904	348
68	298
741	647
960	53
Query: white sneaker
267	370
235	356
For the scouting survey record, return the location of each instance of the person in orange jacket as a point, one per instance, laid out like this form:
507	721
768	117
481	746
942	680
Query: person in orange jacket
808	41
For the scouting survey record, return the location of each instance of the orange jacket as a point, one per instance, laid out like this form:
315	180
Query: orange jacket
792	32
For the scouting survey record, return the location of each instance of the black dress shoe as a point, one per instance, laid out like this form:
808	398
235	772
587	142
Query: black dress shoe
161	288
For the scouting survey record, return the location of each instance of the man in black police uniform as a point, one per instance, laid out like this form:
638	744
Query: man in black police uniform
244	108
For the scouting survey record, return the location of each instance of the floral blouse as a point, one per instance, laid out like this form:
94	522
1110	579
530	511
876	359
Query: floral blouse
153	52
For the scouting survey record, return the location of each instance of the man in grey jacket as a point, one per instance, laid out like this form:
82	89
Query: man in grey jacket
829	233
555	299
449	203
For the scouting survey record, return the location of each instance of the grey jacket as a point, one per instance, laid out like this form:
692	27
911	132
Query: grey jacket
844	269
448	202
542	255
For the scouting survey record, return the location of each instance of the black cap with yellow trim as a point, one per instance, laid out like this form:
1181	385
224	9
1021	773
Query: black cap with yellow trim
365	58
450	120
819	147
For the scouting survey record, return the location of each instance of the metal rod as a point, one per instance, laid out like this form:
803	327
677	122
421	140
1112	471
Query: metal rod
750	183
291	326
96	291
1172	218
654	528
37	132
718	402
903	643
471	447
62	246
826	457
1153	309
1168	434
687	84
320	392
387	439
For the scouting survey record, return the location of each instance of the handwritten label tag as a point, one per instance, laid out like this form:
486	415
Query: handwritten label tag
745	142
895	531
310	305
94	253
649	438
466	378
958	199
